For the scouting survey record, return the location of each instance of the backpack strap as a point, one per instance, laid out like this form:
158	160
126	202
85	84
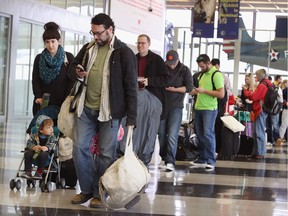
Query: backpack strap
265	83
212	79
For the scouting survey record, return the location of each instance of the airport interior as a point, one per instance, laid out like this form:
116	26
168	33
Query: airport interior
240	186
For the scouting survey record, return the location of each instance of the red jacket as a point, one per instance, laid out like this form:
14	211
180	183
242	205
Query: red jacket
257	96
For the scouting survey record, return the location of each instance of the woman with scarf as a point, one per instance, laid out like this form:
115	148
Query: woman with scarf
50	70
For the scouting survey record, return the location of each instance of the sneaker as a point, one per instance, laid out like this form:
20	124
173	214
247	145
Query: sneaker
209	167
162	165
37	176
197	164
169	167
26	175
81	198
95	203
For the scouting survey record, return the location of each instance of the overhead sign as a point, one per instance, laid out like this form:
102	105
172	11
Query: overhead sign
228	19
203	18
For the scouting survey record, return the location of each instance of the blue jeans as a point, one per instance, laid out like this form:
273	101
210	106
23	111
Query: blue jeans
272	127
168	135
205	131
259	147
88	169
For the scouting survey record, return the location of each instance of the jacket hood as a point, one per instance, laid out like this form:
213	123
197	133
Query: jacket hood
40	120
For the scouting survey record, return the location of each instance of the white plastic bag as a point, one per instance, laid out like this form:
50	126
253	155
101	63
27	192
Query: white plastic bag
232	123
125	180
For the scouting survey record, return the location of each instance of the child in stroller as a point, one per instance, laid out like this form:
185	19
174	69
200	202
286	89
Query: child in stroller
38	147
42	152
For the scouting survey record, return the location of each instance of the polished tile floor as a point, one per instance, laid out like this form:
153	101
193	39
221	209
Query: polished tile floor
240	187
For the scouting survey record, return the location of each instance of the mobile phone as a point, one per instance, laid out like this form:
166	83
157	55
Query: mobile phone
80	68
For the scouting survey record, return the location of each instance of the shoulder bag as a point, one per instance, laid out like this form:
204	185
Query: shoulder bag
125	180
67	115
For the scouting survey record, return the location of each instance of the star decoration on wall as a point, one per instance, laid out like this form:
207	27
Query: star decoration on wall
274	55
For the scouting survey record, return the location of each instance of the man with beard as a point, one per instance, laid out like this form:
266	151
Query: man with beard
206	111
109	71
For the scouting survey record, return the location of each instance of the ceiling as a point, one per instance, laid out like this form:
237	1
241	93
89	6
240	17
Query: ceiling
269	6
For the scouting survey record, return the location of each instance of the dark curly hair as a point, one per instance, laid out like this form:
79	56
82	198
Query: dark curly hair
51	31
103	19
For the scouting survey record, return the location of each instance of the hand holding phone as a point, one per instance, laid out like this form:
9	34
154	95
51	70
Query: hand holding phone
80	71
80	68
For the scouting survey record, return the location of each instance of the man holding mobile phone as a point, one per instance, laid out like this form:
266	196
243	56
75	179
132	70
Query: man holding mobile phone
110	94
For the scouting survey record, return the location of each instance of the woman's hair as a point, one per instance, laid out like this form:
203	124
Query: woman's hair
51	31
261	74
283	83
252	81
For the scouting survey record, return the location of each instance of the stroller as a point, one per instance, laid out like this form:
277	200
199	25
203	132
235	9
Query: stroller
52	167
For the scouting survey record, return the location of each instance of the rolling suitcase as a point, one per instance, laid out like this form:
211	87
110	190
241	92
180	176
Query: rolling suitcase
230	139
68	172
230	145
246	140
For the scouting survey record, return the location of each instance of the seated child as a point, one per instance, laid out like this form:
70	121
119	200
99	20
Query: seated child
38	146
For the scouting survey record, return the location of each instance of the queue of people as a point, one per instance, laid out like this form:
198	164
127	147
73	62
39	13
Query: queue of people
116	81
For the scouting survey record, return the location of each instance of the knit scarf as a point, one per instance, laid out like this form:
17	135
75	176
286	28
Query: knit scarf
50	66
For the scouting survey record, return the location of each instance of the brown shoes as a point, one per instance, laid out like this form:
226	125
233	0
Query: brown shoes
96	203
279	142
81	198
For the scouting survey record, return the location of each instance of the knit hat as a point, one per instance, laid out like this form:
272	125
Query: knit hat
171	57
40	120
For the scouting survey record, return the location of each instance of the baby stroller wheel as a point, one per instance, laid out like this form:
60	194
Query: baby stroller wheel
61	183
12	184
42	186
18	184
49	186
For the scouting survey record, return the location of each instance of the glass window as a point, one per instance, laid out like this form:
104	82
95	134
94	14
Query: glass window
57	3
73	6
74	42
4	27
45	1
70	42
28	48
87	7
98	7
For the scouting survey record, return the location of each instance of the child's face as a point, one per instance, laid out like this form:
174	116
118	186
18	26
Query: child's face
47	130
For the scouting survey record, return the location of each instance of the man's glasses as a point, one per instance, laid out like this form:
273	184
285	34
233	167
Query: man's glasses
140	43
98	34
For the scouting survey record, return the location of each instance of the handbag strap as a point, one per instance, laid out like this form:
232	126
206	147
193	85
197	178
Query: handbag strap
129	143
76	92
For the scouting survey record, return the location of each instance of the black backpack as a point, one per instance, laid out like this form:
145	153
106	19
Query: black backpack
221	101
272	104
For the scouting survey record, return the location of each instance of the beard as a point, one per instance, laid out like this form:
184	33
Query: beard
103	42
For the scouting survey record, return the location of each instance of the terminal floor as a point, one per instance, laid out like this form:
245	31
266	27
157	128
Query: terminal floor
241	187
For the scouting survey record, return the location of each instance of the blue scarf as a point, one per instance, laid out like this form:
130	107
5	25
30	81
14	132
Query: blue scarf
50	66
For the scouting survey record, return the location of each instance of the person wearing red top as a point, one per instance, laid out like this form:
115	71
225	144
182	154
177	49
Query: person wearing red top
259	138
